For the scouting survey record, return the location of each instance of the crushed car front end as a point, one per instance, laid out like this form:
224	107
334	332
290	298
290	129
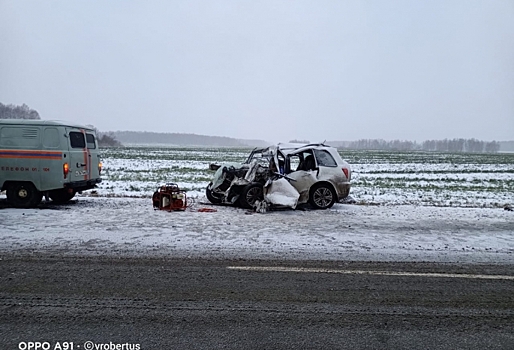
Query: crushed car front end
283	176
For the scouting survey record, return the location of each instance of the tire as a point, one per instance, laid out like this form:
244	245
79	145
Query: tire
250	194
23	195
214	199
61	195
322	196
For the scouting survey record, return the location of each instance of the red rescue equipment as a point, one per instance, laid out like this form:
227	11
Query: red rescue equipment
169	197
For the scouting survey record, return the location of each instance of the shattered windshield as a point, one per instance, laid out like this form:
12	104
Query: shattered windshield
261	156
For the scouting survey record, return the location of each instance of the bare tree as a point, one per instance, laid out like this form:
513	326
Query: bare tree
17	112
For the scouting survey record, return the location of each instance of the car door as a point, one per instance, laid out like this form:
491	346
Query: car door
327	166
301	178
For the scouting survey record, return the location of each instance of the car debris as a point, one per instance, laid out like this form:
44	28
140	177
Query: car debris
282	176
206	210
213	166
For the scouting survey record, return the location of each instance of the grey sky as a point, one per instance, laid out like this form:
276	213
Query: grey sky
274	70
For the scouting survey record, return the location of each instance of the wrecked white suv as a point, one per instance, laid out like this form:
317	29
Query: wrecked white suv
284	175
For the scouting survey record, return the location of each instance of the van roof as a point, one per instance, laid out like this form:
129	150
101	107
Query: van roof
44	122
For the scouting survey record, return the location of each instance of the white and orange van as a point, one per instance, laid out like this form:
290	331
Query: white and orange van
41	157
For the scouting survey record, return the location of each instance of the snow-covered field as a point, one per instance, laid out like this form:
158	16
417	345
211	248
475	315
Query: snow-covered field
409	207
420	178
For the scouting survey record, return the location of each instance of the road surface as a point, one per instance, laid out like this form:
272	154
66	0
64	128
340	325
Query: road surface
163	303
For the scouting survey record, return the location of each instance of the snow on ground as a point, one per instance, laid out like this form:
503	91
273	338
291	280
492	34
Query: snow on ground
131	227
431	206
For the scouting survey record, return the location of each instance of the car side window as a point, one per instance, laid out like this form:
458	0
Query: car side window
77	140
301	161
324	158
293	163
308	161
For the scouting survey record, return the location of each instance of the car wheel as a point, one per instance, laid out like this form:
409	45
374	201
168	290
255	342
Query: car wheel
250	194
322	196
23	195
61	195
213	198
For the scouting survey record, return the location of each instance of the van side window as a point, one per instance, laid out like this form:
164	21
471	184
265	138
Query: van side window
51	138
77	140
19	137
90	138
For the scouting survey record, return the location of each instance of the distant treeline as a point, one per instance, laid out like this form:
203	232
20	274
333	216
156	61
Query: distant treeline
106	139
17	112
446	145
177	139
24	112
454	145
115	139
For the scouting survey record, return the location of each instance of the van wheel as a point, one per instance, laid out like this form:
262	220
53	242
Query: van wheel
322	196
61	195
250	194
23	195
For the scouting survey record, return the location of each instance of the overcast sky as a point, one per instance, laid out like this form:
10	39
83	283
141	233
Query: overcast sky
273	70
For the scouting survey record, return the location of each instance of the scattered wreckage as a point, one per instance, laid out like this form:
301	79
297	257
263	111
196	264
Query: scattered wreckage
284	175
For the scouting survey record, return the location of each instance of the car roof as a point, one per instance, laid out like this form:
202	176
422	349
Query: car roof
288	148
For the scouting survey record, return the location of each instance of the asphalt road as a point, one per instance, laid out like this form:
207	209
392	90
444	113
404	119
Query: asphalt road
93	303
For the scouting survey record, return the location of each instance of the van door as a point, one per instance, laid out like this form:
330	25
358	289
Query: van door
52	165
79	163
93	155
